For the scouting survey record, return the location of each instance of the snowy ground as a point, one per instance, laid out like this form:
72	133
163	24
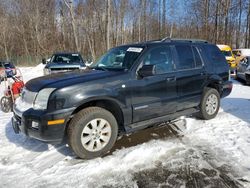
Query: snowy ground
188	153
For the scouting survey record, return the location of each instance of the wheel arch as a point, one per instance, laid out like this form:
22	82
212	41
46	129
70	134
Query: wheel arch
215	83
108	104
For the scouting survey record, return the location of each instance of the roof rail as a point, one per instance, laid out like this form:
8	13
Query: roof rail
168	39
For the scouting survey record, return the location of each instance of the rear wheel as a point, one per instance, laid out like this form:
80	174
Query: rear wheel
6	104
236	74
92	132
210	104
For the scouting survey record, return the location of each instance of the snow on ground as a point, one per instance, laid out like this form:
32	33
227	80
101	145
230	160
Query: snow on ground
188	153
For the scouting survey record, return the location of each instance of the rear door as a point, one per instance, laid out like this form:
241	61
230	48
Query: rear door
191	76
155	96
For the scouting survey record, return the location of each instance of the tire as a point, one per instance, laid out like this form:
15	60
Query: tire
210	104
92	132
6	104
236	75
247	76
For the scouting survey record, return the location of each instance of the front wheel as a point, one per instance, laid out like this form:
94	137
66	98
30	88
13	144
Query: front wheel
92	132
210	104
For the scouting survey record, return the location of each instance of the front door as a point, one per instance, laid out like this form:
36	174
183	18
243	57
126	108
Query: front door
155	96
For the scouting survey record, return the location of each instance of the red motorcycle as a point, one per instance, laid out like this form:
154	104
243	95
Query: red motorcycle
13	88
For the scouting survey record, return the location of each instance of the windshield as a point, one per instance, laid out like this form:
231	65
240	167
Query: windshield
66	58
119	58
227	53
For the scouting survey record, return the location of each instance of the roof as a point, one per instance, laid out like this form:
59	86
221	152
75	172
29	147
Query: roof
167	40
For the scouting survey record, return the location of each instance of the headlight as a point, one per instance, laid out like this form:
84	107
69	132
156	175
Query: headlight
42	98
46	71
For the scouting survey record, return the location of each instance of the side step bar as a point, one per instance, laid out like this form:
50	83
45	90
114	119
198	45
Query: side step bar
169	117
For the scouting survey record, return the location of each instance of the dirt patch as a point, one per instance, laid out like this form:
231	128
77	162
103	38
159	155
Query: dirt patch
184	176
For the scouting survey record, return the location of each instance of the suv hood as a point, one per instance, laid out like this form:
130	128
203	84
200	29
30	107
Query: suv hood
61	80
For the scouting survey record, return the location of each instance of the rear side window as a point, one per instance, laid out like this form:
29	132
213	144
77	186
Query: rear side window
186	58
214	55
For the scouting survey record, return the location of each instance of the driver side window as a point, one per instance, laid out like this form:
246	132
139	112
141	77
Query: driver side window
161	57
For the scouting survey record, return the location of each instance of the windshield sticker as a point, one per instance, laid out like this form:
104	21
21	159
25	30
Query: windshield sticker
75	55
132	49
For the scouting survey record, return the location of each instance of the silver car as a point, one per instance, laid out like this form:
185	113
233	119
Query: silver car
243	70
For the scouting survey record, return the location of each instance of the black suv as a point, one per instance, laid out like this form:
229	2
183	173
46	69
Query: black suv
63	62
131	87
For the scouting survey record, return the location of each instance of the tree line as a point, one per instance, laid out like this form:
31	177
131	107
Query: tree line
37	28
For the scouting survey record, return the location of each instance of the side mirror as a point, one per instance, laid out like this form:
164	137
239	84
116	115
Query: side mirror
146	70
44	61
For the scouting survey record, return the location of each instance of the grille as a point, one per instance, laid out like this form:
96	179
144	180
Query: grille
64	69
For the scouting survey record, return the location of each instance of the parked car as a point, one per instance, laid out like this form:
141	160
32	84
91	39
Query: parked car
10	67
240	54
227	52
131	87
63	62
243	70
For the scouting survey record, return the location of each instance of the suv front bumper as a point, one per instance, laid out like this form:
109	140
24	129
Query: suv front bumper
34	123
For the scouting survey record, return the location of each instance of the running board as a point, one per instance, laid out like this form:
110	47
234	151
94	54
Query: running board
169	117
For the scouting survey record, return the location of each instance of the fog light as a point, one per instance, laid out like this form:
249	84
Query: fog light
35	125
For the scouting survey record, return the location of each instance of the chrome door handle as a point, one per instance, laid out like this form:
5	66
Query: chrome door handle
171	79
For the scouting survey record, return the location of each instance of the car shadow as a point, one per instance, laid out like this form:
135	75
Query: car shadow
32	144
238	107
156	132
161	131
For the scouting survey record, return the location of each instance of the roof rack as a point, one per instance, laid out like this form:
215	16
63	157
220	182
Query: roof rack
168	39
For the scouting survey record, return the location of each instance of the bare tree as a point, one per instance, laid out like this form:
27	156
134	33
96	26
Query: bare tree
31	29
108	23
69	4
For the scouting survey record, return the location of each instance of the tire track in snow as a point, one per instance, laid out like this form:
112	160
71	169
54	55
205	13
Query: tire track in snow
188	173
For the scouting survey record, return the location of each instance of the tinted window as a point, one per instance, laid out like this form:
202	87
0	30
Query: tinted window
186	58
198	61
214	55
227	53
161	57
